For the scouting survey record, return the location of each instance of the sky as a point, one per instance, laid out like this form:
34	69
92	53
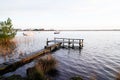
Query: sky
62	14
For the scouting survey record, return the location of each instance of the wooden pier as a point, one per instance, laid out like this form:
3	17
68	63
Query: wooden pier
69	41
57	43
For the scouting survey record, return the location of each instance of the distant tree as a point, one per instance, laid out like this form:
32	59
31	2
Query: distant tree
6	30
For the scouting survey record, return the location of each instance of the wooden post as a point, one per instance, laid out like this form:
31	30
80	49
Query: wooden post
68	43
47	42
63	42
79	43
54	40
50	49
73	43
82	42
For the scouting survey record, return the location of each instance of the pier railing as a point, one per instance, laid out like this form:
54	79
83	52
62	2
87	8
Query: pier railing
69	41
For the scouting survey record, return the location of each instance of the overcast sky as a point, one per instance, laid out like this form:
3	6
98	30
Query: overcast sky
62	14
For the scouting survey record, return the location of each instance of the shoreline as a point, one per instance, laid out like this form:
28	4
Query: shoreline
71	30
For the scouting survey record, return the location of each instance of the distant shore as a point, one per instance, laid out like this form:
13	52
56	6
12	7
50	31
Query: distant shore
69	30
94	30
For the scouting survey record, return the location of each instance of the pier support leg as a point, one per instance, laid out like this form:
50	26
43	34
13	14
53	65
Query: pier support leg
47	42
63	43
80	44
68	43
73	43
55	40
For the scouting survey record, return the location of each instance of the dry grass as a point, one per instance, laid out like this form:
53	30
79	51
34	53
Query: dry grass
45	64
41	68
6	46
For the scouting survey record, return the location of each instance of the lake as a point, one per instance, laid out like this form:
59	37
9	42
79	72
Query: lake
99	58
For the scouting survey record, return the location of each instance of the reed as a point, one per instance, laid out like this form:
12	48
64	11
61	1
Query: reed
7	46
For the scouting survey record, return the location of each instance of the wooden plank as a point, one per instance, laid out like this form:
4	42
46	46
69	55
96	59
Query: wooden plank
76	42
69	38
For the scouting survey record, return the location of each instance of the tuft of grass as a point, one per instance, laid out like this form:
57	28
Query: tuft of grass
42	68
33	74
46	64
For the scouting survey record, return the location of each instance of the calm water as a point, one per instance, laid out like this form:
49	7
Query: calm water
100	56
